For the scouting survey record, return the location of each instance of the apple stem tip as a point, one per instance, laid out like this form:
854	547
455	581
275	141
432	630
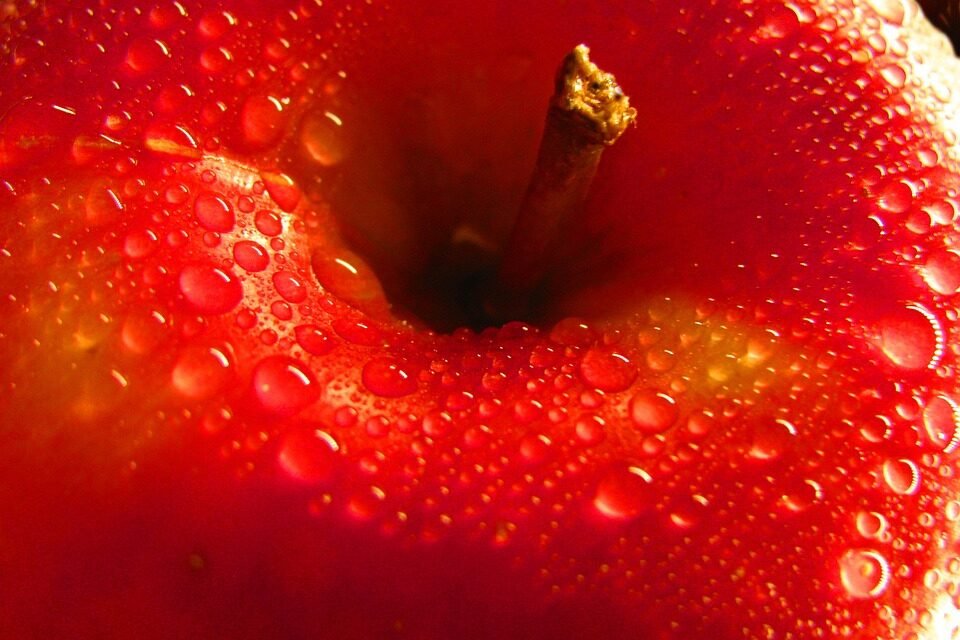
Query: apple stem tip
587	112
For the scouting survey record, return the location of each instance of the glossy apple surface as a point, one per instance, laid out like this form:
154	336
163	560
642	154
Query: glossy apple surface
734	415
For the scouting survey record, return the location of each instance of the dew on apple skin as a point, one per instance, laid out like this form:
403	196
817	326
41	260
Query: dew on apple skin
140	244
893	11
103	205
214	212
896	197
387	378
309	455
623	493
282	189
173	141
146	54
283	385
314	340
143	331
201	372
902	476
864	573
653	411
250	256
209	289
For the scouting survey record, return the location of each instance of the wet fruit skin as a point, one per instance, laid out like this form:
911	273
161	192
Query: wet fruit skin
738	417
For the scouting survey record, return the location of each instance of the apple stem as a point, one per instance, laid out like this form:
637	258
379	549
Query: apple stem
587	113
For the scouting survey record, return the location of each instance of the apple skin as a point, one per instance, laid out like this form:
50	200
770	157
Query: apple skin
205	437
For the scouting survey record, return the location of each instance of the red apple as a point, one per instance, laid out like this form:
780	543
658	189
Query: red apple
240	398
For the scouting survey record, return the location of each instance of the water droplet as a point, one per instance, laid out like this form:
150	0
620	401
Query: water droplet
357	332
268	223
283	385
213	212
941	272
209	289
201	372
941	417
173	141
652	411
902	476
623	493
348	277
386	378
896	197
289	286
607	370
871	524
262	120
309	455
322	138
282	189
771	439
143	331
139	244
912	338
590	429
894	74
250	256
864	573
146	54
893	11
534	449
313	340
103	205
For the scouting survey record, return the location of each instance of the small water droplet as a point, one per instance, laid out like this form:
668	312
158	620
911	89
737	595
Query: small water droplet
941	417
146	54
314	340
268	223
210	289
871	524
283	385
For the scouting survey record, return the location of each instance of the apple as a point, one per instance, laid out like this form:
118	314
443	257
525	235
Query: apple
258	379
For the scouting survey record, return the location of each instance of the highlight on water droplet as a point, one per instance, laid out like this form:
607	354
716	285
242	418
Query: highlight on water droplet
309	455
624	493
864	573
284	386
210	289
103	205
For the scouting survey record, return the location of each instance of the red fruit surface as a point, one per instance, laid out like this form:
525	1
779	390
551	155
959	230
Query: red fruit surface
734	418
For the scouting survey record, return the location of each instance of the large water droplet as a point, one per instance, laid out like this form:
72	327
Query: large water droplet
322	138
941	417
871	524
309	455
941	272
209	289
864	573
250	256
386	378
289	286
652	411
213	212
201	372
607	370
911	338
623	493
284	386
902	476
